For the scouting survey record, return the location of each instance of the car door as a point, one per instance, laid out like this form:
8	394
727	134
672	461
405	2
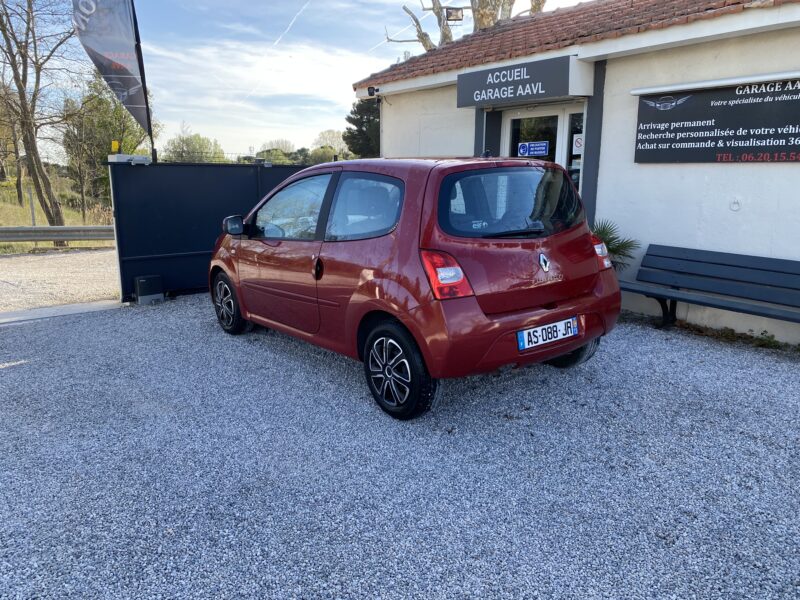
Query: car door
359	249
287	244
248	256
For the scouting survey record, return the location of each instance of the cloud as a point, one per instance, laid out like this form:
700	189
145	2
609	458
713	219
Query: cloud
245	93
241	28
259	71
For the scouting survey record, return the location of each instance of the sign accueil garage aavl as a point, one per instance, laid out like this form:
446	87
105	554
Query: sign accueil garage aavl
515	84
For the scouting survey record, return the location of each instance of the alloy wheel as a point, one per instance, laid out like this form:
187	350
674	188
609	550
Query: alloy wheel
390	371
224	303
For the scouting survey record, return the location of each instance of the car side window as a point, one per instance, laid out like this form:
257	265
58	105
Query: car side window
365	206
293	212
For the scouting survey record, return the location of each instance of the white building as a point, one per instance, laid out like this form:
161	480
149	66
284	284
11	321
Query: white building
679	119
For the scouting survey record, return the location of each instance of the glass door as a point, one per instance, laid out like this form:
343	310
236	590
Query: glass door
574	162
552	133
535	137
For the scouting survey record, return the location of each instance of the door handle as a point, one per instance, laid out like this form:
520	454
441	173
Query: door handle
318	269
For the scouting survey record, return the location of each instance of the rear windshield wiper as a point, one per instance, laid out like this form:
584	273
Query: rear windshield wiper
515	233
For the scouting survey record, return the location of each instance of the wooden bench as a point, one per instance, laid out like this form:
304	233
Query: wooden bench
754	285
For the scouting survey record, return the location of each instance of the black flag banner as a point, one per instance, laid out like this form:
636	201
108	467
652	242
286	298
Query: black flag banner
110	35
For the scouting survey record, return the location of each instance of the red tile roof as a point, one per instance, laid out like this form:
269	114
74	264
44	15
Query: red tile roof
582	24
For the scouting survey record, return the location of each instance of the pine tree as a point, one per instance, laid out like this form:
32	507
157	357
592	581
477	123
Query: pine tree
364	137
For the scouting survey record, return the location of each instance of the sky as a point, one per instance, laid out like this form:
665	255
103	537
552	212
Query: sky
248	71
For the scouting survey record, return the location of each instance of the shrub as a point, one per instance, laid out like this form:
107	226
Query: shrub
620	249
69	199
99	215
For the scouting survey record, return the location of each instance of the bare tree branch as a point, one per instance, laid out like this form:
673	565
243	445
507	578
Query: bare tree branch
485	14
445	33
422	35
396	41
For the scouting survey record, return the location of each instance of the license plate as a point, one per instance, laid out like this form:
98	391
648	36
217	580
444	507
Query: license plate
546	334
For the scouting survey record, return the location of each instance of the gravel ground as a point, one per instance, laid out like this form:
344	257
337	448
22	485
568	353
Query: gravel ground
143	453
36	280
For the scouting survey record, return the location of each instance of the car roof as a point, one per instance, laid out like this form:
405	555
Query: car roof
405	166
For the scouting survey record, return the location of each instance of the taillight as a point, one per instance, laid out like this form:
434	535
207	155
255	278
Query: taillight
603	261
445	275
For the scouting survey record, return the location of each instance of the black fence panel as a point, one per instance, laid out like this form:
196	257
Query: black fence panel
168	216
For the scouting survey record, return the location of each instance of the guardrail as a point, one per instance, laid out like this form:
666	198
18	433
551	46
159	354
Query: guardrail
57	234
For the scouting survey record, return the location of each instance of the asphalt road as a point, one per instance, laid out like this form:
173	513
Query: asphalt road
143	453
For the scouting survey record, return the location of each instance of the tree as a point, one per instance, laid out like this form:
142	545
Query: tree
33	46
90	125
363	138
285	146
422	35
537	6
10	143
193	147
78	143
6	143
332	138
485	14
301	156
6	139
275	156
321	155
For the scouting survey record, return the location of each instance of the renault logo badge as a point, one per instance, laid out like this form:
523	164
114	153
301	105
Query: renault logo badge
544	262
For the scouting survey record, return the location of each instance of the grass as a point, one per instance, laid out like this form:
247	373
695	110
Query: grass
14	215
7	248
762	340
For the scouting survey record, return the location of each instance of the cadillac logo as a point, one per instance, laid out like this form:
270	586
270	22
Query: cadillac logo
544	262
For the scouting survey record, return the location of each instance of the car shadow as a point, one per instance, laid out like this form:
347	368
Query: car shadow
502	397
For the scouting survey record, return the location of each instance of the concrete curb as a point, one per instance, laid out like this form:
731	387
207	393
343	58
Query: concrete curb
64	310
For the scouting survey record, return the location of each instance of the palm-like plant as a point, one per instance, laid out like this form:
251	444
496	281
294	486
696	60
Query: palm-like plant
620	249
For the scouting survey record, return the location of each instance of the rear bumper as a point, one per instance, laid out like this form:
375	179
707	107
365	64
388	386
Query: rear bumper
458	339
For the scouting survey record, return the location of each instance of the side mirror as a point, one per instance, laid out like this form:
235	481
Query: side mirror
233	225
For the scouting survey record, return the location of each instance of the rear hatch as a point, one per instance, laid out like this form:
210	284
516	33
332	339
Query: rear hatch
519	233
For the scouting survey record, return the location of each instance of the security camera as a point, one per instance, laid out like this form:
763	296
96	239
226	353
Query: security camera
372	90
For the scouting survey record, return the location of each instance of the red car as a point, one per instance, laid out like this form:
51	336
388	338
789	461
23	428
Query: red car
422	269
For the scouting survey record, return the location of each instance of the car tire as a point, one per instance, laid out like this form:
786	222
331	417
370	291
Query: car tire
396	372
226	306
576	357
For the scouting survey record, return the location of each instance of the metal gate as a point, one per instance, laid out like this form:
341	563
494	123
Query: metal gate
168	216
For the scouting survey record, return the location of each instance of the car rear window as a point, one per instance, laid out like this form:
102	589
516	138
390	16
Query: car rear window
508	202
